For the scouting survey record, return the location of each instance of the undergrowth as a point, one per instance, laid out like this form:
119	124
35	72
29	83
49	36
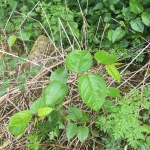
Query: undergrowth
92	34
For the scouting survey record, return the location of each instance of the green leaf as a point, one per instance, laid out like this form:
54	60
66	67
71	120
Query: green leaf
71	130
113	92
82	133
75	29
20	118
146	128
137	25
109	106
148	140
85	117
119	33
110	34
45	111
93	90
135	6
104	57
60	75
146	18
11	40
39	103
79	61
107	17
98	6
54	93
25	36
13	4
17	130
54	118
74	113
112	70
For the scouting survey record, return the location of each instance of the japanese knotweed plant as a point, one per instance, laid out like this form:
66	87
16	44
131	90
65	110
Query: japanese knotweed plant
92	88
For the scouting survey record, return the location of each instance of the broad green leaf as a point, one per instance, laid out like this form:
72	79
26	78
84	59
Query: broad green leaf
146	128
60	75
54	93
119	33
104	57
82	133
109	106
45	111
13	4
79	61
127	14
85	117
110	34
113	92
93	90
98	6
74	113
11	40
20	118
17	130
135	6
137	25
71	130
54	118
107	17
148	140
146	18
25	36
39	103
112	70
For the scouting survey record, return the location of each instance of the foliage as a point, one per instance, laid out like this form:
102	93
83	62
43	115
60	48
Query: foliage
33	141
103	24
122	122
91	25
93	91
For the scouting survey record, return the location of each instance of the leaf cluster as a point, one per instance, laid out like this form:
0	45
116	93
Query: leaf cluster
123	120
92	88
